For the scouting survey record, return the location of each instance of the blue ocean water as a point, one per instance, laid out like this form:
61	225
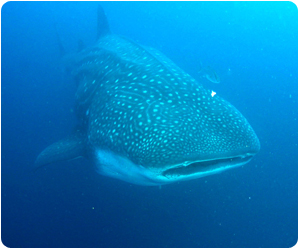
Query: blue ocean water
252	46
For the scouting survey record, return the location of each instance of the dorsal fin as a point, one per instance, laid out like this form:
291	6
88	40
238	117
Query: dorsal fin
102	23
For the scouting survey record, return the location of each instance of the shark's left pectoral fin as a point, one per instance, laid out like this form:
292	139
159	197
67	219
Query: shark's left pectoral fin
69	148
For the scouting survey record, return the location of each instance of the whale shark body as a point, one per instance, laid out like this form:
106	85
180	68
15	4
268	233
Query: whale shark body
144	120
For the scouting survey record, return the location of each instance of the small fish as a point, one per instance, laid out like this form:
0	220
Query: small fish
210	74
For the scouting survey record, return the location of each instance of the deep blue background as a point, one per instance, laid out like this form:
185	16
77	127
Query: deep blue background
252	46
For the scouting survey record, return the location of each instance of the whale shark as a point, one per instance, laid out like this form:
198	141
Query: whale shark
144	120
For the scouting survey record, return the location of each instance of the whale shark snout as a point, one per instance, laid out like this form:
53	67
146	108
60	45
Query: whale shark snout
207	137
144	120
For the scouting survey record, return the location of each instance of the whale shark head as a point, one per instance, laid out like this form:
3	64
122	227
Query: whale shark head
144	120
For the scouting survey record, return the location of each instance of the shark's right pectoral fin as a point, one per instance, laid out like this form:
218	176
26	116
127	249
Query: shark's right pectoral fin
69	148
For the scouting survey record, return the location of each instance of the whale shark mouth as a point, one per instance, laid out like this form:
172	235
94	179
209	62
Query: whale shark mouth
206	167
110	164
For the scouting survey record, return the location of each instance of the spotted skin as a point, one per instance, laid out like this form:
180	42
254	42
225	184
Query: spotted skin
147	109
144	120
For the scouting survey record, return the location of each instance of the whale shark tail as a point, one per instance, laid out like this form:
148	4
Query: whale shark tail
69	148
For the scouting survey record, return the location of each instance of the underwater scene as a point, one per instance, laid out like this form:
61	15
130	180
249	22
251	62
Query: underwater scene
149	124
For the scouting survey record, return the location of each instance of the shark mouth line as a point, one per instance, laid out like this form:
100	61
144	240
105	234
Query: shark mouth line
207	166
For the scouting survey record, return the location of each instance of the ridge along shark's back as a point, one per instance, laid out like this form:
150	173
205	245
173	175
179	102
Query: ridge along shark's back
144	120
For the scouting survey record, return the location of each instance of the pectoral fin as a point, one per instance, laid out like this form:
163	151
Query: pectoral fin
69	148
